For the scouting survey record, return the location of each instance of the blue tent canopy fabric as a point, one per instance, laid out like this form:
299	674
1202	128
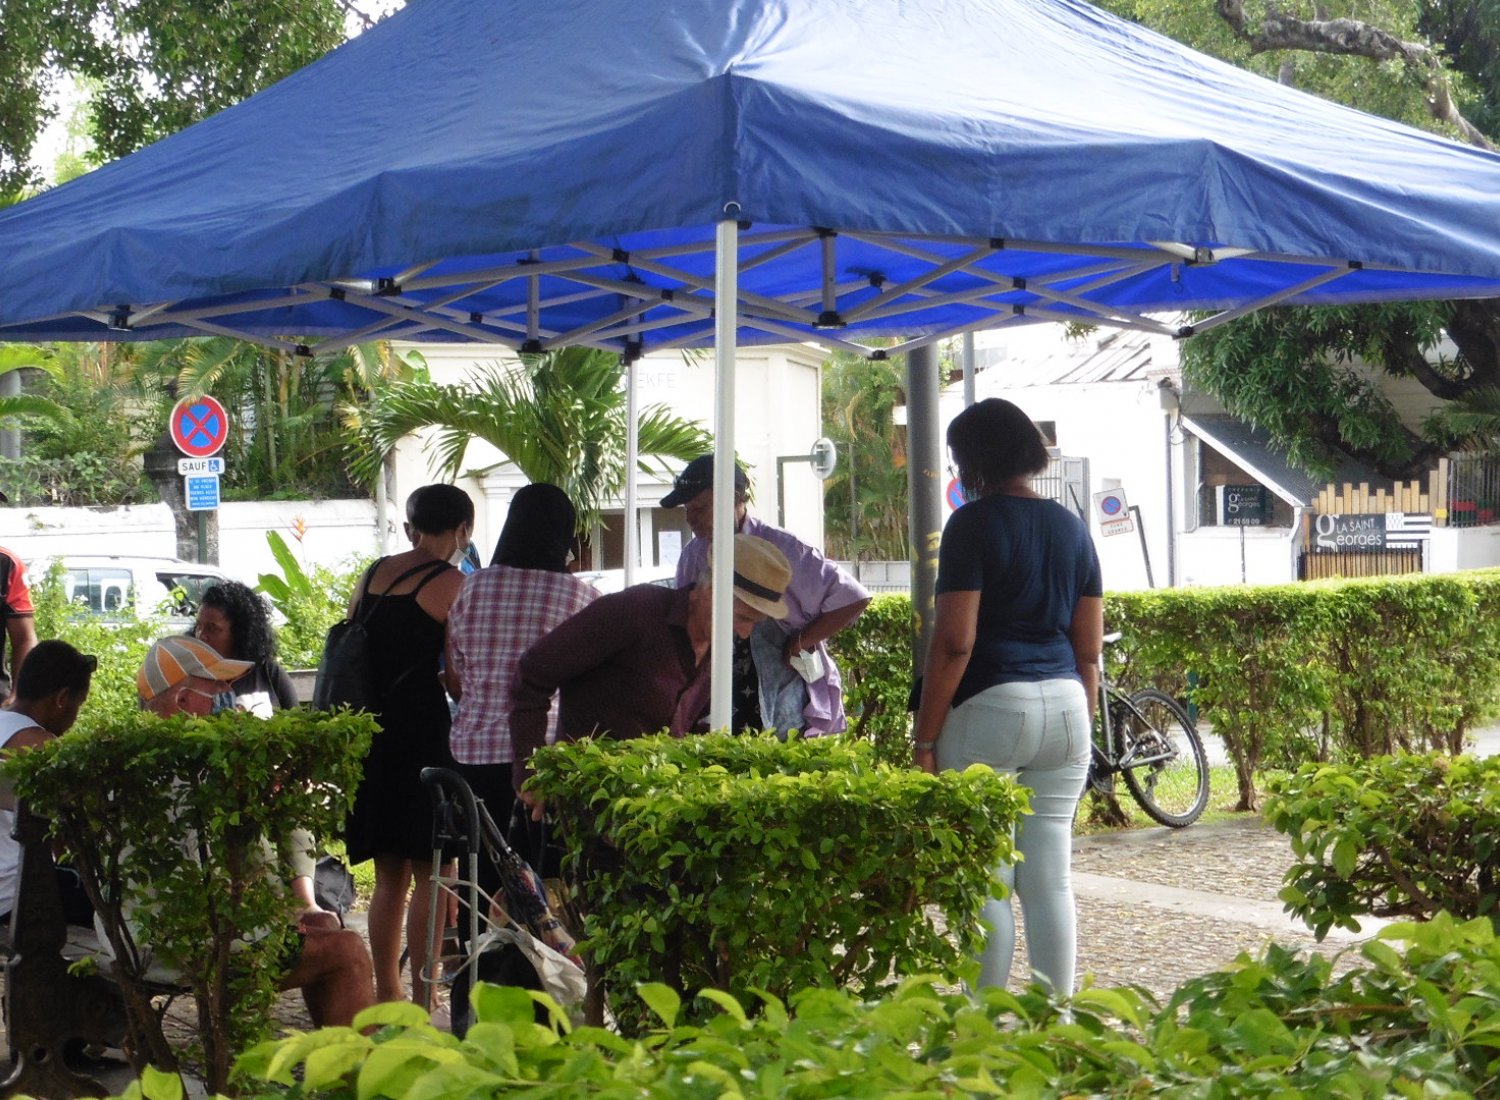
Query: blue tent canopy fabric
537	175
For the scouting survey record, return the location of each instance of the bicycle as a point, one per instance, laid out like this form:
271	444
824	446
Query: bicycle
1147	738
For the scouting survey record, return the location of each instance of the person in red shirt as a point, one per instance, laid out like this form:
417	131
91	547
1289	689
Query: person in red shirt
20	626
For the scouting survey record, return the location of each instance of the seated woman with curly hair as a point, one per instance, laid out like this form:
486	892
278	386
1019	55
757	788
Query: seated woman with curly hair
233	618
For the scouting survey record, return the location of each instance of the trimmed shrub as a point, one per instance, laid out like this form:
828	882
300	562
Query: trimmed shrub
874	656
745	863
1392	836
1257	657
181	807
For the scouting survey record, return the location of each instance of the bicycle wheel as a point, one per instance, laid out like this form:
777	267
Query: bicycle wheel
1162	758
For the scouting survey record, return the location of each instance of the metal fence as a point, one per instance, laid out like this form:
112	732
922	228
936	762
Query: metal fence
881	576
1066	480
1473	487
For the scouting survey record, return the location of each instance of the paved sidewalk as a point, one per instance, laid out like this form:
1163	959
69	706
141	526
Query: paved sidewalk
1158	906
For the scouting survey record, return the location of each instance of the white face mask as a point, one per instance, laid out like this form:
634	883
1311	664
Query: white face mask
460	549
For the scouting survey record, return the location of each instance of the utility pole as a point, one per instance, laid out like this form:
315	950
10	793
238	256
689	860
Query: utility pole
924	465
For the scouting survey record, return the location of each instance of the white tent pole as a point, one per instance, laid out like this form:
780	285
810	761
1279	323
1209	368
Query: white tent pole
726	299
632	449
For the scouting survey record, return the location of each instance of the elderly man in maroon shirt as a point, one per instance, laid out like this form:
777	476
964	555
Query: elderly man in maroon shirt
636	662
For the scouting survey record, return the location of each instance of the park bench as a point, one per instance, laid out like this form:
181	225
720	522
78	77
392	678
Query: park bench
48	1009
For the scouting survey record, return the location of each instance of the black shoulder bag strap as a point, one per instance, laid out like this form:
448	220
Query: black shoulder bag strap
413	571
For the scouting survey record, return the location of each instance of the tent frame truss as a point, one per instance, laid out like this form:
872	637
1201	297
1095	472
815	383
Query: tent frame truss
663	289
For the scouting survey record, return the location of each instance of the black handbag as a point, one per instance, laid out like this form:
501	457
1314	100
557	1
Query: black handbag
333	885
346	673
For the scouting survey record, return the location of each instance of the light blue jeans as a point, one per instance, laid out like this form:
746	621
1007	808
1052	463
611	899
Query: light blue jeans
1038	732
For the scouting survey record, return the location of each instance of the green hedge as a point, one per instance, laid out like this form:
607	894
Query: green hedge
1329	670
1422	1021
745	863
1392	836
1332	670
874	656
180	807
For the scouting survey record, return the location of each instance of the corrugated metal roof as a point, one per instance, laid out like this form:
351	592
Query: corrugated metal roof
1119	356
1251	448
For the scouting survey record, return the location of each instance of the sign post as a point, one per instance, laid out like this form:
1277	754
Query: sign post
199	428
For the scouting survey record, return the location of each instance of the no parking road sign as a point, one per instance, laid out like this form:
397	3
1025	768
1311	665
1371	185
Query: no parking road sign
199	426
1114	513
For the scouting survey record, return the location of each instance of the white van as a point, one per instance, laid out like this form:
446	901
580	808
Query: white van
118	587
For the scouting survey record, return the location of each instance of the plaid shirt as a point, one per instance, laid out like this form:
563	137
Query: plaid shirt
497	616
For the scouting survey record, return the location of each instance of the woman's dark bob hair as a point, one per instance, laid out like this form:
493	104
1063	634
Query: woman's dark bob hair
993	442
436	509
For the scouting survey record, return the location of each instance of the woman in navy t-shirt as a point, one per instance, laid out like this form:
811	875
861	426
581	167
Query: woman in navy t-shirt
1012	673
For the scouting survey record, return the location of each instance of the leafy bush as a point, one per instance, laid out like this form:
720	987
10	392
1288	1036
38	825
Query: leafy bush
1395	651
1284	673
1392	836
1257	653
1323	671
120	644
309	603
184	805
874	656
742	863
83	478
1417	1022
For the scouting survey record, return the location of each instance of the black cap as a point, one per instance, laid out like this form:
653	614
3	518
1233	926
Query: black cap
697	476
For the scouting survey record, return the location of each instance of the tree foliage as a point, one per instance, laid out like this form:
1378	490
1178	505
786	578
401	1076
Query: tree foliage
156	65
288	410
92	410
1436	64
865	499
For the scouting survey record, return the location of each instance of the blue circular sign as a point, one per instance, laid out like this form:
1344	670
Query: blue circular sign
955	494
1110	506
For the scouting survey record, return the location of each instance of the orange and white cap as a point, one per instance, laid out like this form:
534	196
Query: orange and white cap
172	660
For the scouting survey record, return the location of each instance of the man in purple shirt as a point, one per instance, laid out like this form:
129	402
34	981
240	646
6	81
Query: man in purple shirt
636	662
776	686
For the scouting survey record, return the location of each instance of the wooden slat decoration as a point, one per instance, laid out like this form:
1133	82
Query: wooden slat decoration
1315	567
1402	496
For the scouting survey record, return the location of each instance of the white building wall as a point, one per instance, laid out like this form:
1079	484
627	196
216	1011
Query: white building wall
1454	548
334	533
1120	428
1237	555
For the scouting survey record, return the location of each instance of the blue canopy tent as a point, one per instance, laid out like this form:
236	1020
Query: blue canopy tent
689	172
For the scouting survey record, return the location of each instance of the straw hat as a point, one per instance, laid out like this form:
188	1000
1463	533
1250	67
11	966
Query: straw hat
761	575
172	660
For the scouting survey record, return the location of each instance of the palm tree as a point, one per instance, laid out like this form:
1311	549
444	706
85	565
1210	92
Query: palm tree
559	416
865	499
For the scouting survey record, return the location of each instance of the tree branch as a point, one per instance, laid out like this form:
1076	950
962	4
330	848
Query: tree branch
1353	38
